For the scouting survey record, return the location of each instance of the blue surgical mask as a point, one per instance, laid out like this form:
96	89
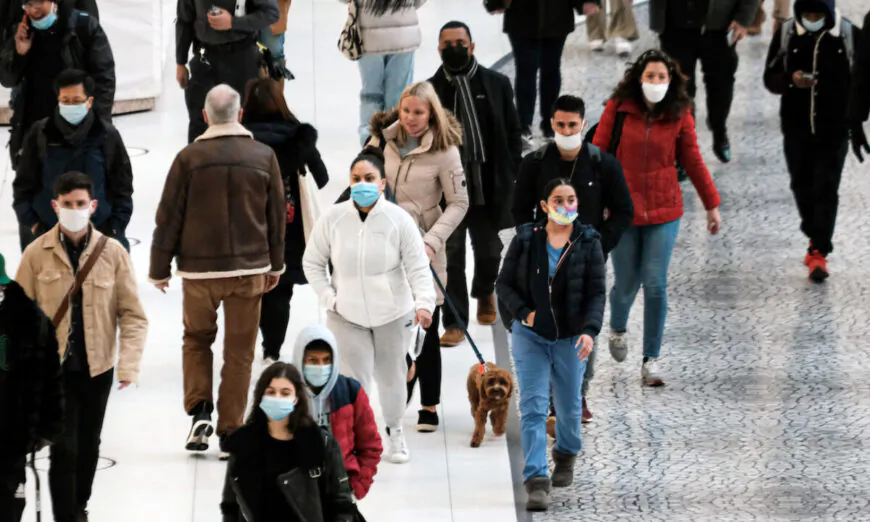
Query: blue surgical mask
45	22
276	408
813	27
317	375
364	193
73	114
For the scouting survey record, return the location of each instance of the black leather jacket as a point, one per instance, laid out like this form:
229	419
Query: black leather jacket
317	491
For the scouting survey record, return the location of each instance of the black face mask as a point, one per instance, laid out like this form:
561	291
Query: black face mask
455	57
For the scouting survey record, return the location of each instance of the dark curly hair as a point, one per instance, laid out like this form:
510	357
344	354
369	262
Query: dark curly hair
677	100
301	416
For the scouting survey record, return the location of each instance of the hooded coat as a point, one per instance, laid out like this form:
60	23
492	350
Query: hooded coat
420	180
295	146
820	111
343	406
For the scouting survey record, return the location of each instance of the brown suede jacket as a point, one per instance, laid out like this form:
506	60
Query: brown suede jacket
223	212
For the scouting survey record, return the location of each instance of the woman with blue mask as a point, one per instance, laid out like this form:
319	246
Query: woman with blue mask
380	287
552	285
280	459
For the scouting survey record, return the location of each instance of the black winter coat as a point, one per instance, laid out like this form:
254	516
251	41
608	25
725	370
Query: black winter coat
507	140
859	101
569	306
542	18
598	187
84	46
821	111
317	490
31	385
295	146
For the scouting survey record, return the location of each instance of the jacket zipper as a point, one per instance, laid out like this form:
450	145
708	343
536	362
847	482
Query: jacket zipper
645	168
361	262
550	284
813	88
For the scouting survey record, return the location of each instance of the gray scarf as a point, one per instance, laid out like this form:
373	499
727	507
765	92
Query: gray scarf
473	153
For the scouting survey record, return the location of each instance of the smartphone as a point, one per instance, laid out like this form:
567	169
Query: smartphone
808	76
215	10
730	38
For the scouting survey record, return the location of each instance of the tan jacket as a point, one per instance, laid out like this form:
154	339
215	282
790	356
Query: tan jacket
110	300
223	212
419	180
280	27
782	9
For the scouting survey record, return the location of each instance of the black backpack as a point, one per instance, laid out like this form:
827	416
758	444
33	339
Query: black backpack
615	133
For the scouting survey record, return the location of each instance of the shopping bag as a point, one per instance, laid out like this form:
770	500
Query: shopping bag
309	200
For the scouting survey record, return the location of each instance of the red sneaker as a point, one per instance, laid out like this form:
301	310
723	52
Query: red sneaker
818	266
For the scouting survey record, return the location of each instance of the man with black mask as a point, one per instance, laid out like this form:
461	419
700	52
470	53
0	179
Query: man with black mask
483	101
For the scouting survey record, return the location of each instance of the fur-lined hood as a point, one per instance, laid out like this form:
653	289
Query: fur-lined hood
384	125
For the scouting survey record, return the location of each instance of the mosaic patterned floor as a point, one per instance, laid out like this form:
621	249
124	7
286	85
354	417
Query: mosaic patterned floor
766	415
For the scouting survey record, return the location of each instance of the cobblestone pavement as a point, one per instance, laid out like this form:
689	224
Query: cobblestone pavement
766	415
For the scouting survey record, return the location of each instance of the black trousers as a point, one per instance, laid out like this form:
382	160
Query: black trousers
275	316
718	62
816	167
429	365
530	56
73	461
487	255
234	67
12	479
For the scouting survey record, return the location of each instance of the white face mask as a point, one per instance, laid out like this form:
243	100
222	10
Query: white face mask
655	92
567	143
74	220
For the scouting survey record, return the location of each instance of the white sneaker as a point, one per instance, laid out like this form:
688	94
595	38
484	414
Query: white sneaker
650	374
596	46
618	345
622	47
397	452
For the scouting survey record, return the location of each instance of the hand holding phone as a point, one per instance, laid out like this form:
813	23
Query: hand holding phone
214	10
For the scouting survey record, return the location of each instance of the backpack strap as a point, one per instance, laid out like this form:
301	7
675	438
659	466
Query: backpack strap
616	132
542	150
785	33
595	156
847	33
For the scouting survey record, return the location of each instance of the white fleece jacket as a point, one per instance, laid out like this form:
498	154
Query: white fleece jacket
380	267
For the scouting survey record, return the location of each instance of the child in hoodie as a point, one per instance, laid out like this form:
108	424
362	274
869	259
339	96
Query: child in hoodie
812	73
340	403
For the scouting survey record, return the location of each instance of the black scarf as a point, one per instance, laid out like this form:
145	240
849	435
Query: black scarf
74	135
473	153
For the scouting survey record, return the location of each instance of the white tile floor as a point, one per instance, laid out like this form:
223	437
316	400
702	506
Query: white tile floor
154	478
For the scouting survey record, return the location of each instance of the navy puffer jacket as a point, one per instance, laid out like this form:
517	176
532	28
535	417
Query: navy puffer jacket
576	306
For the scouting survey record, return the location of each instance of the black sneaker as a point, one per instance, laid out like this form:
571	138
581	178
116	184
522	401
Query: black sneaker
722	147
427	421
224	454
547	131
528	140
201	429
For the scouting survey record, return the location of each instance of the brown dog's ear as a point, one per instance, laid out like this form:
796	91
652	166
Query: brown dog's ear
481	386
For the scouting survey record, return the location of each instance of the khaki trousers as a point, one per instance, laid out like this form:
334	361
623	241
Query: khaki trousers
622	23
241	298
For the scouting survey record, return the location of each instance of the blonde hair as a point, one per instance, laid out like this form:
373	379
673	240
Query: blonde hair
445	130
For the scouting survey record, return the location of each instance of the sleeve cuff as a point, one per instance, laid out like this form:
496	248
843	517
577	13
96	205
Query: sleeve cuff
153	281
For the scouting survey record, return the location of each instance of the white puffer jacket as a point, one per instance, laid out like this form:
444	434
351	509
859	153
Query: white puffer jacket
390	33
380	268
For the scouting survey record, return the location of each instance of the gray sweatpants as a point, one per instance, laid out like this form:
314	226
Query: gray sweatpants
378	353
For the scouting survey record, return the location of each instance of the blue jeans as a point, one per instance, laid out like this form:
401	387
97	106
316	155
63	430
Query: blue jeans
275	43
539	362
384	77
641	259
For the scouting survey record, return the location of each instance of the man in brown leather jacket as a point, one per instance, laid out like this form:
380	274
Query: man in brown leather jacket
222	217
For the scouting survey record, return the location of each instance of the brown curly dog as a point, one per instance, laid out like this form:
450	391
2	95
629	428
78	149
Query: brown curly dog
489	393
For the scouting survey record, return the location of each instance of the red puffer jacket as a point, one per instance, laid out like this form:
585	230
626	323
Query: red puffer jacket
353	426
647	152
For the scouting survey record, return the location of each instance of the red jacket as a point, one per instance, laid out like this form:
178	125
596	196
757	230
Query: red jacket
648	152
353	425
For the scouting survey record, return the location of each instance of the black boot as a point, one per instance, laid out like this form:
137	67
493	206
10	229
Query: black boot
538	489
721	146
563	472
